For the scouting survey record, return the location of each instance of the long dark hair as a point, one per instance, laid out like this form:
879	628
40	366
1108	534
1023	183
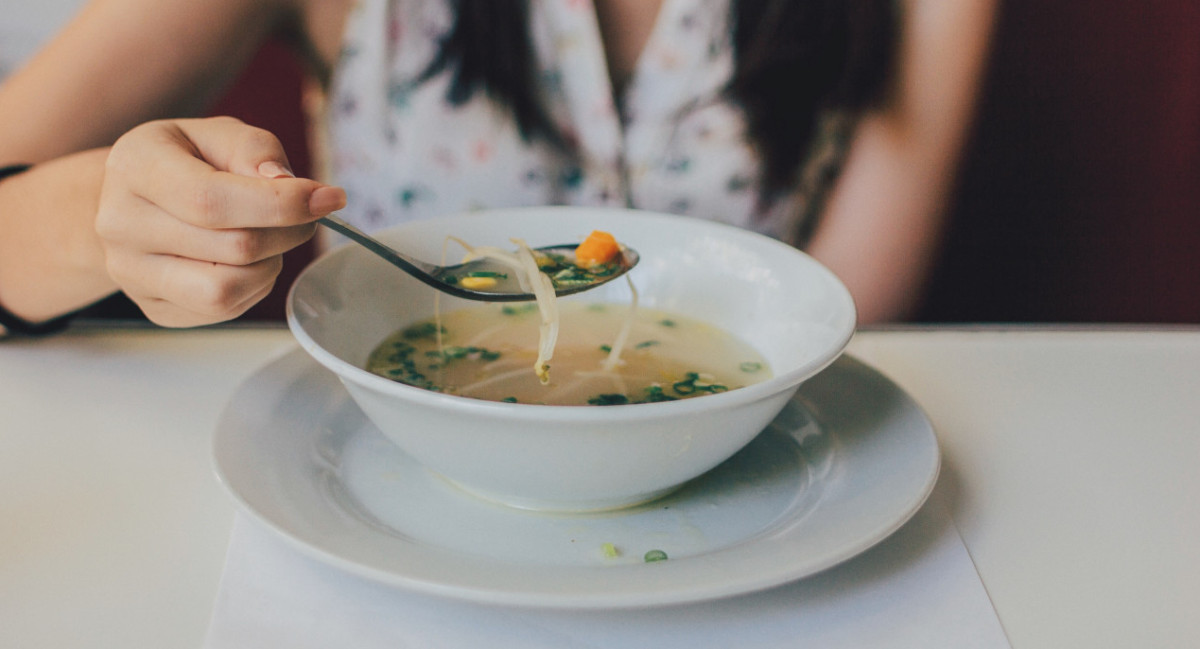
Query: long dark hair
793	59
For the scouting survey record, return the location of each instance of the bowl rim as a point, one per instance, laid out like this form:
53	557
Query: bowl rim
775	385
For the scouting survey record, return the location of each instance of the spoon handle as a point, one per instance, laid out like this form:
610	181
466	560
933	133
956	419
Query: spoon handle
427	273
444	278
414	267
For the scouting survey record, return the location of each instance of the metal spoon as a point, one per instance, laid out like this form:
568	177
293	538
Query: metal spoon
449	279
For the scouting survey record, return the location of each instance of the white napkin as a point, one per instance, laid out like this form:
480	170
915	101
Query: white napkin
917	589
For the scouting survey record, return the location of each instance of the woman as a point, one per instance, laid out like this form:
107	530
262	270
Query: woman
810	124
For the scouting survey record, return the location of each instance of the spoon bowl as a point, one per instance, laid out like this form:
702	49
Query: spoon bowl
502	284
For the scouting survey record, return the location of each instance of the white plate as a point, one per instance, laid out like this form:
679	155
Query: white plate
849	460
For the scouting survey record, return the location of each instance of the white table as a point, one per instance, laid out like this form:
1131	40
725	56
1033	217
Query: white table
1070	456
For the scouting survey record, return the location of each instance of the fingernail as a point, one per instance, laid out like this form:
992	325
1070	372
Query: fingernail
325	200
272	169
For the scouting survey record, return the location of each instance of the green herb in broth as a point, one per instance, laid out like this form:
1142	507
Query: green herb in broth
486	352
694	382
447	354
398	364
655	394
518	309
608	400
427	330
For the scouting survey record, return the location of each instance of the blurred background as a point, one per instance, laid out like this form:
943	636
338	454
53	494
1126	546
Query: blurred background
1079	195
1079	199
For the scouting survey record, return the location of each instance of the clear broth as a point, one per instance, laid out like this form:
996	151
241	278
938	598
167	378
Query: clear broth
488	353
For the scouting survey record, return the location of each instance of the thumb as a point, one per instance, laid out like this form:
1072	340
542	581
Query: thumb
325	199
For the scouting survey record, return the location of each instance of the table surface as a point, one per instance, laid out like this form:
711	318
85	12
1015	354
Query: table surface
1069	457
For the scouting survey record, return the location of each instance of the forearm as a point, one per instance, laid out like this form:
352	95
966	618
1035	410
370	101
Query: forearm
121	63
883	224
51	261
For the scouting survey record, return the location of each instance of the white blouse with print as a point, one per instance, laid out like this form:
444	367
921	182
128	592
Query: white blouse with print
403	152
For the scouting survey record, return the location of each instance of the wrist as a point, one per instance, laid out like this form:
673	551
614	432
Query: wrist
50	259
9	322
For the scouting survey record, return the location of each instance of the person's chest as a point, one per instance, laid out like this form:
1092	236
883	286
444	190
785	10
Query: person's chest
669	140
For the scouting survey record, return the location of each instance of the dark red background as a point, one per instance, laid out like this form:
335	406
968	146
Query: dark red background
1079	198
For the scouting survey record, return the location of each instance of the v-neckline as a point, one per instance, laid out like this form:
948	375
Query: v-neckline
599	121
607	32
620	94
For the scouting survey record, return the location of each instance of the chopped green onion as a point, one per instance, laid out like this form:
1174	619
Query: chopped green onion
563	272
655	555
609	400
692	383
610	550
655	394
750	367
456	352
687	385
509	309
422	330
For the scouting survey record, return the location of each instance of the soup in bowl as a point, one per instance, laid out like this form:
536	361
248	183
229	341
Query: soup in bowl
727	326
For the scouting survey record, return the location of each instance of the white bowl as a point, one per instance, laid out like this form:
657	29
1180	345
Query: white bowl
793	310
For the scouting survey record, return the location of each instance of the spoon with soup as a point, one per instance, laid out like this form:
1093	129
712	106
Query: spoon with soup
495	275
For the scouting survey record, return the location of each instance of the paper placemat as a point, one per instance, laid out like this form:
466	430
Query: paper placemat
917	589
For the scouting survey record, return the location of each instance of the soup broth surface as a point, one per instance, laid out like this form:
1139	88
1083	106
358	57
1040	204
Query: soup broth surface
488	352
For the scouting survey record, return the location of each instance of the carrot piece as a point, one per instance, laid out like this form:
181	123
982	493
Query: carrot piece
598	248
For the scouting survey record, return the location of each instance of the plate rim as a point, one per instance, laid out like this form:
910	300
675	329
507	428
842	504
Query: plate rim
292	365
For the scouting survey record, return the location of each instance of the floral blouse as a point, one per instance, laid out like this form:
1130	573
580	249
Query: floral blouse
676	144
